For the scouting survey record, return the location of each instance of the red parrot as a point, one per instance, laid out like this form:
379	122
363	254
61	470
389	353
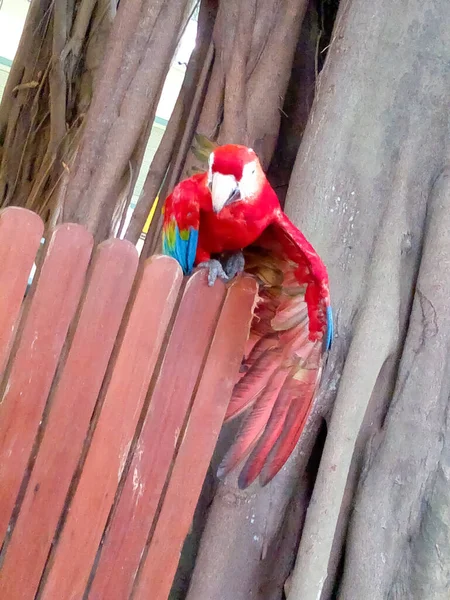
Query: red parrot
228	218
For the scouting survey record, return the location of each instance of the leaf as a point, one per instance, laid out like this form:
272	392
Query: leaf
202	148
26	86
201	155
204	142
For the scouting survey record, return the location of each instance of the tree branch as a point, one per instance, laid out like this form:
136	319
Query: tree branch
58	84
145	33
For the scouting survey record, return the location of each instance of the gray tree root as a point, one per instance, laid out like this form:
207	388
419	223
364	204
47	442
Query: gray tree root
376	142
143	38
399	542
355	390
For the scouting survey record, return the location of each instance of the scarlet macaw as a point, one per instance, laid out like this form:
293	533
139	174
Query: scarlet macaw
223	219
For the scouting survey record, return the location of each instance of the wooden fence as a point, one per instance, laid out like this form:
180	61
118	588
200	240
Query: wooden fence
114	383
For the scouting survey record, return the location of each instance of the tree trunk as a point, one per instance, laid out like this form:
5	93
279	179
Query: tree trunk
372	166
48	92
142	42
74	127
168	162
254	45
297	103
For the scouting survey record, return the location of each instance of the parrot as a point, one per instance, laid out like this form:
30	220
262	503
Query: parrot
228	219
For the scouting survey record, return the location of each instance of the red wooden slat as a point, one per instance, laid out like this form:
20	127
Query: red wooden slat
132	520
94	496
189	342
205	421
20	234
53	306
112	275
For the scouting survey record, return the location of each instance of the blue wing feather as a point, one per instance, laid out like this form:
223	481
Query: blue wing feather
330	327
182	247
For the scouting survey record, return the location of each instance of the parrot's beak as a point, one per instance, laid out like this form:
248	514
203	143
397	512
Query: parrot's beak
224	190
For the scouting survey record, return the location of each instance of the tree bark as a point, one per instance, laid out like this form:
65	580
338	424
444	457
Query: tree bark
139	52
376	143
399	540
48	92
167	164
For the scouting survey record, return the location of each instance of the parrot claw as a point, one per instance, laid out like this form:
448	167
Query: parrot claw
234	264
215	270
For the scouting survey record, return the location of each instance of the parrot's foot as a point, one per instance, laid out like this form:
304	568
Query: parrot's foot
215	270
234	264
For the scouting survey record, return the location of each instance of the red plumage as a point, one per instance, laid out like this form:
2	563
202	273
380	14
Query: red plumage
292	326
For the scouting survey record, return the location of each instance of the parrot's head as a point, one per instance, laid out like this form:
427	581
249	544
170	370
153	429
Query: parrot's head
234	174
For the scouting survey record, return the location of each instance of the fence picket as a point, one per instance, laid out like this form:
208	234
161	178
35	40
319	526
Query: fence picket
28	383
113	270
81	534
205	421
20	234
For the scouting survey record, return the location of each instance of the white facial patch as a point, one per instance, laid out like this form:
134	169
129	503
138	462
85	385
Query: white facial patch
249	184
210	166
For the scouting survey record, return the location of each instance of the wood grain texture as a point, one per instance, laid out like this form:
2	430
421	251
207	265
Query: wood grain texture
20	234
199	440
182	366
28	382
111	277
149	318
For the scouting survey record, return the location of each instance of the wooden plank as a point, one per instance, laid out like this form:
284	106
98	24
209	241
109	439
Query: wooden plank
111	277
52	308
205	422
149	318
188	345
20	234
